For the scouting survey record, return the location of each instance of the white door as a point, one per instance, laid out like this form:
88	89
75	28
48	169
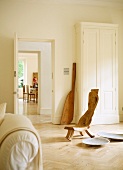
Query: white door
99	69
15	74
90	62
108	71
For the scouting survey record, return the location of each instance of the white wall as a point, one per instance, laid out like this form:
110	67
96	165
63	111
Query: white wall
32	66
32	19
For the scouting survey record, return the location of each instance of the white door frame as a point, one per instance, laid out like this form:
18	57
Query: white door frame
16	40
15	74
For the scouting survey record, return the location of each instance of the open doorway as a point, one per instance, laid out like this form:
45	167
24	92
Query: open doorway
27	73
40	47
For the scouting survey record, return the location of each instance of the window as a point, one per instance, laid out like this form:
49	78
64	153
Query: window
20	73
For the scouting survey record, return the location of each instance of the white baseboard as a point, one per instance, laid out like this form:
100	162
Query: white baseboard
105	119
45	111
121	117
96	119
56	120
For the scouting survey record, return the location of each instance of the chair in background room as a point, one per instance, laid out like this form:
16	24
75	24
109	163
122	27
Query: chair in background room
36	95
32	94
29	93
26	92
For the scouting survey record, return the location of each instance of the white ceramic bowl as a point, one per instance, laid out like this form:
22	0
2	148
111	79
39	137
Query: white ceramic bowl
96	141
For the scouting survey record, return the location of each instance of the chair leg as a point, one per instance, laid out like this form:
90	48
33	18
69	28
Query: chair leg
27	97
82	133
90	133
70	134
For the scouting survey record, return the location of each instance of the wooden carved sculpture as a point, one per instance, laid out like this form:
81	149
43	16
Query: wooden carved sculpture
84	122
68	110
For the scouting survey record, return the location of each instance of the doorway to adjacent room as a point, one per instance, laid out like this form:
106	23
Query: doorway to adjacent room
43	106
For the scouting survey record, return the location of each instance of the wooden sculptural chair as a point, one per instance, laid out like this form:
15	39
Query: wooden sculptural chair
84	122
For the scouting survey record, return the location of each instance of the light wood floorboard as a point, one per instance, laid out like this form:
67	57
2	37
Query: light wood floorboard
60	154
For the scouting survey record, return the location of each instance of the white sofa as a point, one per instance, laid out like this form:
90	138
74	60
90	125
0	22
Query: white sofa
20	144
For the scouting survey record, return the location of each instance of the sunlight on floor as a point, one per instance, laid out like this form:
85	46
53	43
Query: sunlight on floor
30	110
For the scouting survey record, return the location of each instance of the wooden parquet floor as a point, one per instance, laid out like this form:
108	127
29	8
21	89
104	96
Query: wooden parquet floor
60	154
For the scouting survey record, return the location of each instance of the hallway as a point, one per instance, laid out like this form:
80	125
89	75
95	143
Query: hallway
29	108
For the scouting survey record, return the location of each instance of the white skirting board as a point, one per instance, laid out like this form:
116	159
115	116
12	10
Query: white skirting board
121	117
56	120
105	119
96	119
45	111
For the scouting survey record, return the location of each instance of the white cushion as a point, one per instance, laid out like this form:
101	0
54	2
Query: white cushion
2	111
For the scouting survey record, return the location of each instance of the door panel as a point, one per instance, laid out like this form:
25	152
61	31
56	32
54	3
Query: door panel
108	78
91	51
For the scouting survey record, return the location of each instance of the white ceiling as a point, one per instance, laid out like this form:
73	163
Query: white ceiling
105	3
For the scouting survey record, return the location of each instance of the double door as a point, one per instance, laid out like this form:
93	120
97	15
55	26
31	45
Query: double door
97	68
